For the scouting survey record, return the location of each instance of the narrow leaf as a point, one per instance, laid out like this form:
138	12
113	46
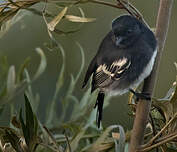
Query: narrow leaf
29	119
73	18
75	142
51	26
101	139
25	134
42	65
22	68
120	146
11	80
175	65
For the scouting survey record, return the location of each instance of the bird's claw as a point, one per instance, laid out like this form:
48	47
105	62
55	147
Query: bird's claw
143	95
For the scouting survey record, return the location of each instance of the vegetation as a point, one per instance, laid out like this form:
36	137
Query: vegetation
26	133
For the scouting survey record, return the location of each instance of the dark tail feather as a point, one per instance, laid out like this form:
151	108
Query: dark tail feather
99	105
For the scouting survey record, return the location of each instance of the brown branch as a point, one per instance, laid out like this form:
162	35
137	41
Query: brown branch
162	130
143	107
166	137
158	144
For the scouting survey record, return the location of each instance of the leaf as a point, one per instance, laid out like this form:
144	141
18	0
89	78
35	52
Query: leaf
56	20
30	128
126	147
75	142
119	147
101	139
73	18
29	119
33	99
60	79
53	140
59	84
175	65
14	16
174	97
24	129
11	80
42	65
82	61
21	70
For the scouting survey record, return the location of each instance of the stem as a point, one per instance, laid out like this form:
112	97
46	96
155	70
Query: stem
162	130
158	144
143	106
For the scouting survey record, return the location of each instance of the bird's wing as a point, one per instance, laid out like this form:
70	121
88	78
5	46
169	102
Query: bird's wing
105	75
91	69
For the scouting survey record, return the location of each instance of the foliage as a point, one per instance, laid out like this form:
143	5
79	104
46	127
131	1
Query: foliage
79	133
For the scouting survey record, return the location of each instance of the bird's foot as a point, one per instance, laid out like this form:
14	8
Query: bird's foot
143	95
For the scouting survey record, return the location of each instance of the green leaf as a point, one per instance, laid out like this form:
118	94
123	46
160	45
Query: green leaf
101	139
11	81
30	128
126	147
21	70
29	119
82	61
4	28
81	105
24	129
175	65
60	81
119	147
43	63
75	141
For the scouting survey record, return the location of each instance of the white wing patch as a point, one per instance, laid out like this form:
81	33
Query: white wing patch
106	74
116	64
119	63
104	68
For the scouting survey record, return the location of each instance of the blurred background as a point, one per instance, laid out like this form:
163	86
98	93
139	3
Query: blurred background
31	32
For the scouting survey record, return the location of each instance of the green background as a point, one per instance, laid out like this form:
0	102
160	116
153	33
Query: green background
30	32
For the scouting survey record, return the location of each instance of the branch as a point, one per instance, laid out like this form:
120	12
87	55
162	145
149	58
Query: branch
158	144
143	106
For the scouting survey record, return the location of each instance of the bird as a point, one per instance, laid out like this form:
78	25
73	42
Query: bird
124	59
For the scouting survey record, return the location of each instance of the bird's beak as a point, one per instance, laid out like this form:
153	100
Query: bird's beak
118	40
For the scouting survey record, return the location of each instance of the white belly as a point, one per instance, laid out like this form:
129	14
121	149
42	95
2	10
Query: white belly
146	72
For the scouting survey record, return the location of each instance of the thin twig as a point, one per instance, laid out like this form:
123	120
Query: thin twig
165	137
157	144
162	130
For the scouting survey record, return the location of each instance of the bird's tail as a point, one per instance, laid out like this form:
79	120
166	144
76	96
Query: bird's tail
99	105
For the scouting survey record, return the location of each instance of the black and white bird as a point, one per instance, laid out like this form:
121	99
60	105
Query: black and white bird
124	59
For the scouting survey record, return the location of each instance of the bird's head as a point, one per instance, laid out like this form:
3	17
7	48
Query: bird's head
126	29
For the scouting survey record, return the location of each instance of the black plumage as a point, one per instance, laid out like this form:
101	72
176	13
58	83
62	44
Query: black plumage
124	59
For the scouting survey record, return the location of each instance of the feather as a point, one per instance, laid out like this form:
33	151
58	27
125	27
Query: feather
99	105
105	74
92	67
